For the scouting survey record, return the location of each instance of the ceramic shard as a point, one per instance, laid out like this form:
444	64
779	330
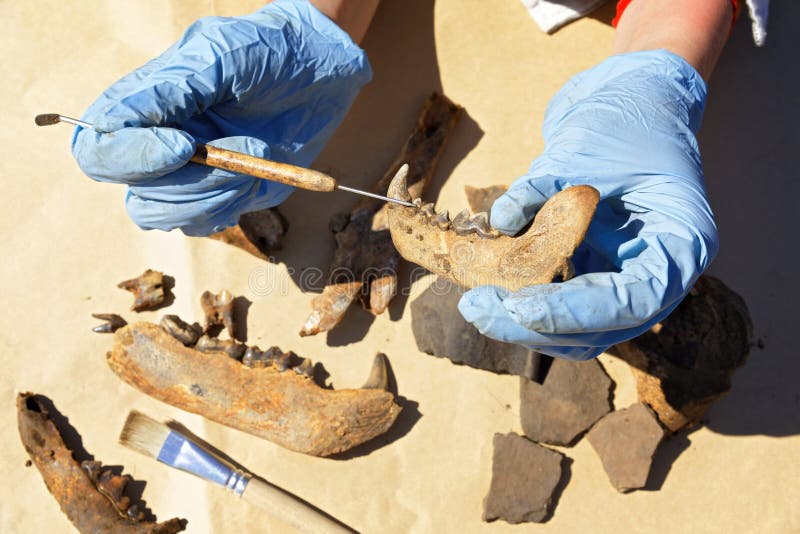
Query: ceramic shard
626	440
524	479
573	396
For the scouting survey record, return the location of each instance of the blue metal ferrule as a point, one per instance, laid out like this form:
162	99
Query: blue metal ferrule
180	452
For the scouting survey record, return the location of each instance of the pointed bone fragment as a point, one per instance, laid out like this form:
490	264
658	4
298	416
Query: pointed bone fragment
285	408
364	247
538	256
90	496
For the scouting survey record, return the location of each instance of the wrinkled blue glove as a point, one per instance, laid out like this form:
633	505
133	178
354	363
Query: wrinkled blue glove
274	84
626	127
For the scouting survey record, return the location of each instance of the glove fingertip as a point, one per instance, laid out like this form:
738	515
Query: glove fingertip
515	208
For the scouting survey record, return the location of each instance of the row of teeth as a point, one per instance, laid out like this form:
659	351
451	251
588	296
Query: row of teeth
462	224
252	357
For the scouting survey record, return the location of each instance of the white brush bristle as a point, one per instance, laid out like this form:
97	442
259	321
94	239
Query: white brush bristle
143	434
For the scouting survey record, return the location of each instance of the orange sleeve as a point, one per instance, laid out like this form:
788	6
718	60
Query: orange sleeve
622	4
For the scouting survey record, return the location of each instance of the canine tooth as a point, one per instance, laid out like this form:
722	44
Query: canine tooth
113	323
306	368
443	220
398	187
379	375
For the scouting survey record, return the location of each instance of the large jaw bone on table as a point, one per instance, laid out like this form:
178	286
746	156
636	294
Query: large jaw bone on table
365	262
275	402
470	253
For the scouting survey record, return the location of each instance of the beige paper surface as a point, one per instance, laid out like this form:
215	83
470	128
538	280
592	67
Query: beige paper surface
66	242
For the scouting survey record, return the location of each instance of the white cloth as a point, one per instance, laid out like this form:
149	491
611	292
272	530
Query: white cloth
759	9
550	15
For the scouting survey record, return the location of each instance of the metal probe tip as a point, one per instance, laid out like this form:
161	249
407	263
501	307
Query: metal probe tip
373	195
48	119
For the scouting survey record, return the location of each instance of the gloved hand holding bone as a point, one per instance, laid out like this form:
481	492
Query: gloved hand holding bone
627	128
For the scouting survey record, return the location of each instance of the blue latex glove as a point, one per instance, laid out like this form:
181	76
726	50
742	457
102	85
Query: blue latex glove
274	84
626	127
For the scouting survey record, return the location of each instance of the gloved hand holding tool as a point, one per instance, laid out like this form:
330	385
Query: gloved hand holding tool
626	127
274	84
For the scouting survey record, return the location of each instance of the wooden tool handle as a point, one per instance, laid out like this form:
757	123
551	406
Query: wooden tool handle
293	510
263	168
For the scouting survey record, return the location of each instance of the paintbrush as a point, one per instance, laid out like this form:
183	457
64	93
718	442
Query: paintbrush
168	445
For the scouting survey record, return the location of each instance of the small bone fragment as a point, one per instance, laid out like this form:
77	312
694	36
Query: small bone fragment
524	478
90	496
282	407
626	440
218	310
147	289
113	322
258	233
539	256
226	346
364	247
179	329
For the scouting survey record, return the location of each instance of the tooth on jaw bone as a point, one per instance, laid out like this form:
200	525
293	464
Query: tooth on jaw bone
282	407
218	310
464	255
179	329
443	220
226	346
417	202
306	368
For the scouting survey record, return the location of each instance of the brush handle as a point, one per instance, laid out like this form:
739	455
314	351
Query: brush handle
283	505
284	173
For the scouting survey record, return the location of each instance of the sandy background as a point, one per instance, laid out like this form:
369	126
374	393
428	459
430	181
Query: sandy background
66	242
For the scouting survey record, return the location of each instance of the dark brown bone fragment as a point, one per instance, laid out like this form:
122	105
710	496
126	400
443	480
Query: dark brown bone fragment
218	310
147	289
90	496
539	256
258	233
113	322
686	362
364	251
285	408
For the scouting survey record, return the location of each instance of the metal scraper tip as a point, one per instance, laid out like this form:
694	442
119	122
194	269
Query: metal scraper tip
48	119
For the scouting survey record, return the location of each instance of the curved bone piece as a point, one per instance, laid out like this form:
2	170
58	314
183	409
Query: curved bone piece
286	408
91	496
538	256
